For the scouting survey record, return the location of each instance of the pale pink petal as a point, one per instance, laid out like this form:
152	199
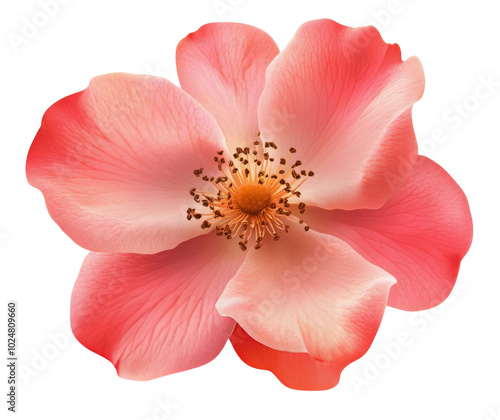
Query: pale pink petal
153	315
308	292
115	163
295	370
343	98
419	236
223	66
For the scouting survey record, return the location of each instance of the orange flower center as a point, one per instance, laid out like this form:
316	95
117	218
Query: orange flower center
253	195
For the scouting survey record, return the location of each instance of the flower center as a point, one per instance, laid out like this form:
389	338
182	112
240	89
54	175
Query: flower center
252	196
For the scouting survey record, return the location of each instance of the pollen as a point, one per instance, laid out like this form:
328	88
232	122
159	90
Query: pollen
253	195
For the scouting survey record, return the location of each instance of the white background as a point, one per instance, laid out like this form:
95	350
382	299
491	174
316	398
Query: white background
449	369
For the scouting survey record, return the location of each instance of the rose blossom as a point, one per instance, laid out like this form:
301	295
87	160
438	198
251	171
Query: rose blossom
277	199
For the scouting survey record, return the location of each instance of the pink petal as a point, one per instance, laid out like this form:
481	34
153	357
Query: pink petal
295	370
153	315
308	292
223	66
419	236
343	98
115	163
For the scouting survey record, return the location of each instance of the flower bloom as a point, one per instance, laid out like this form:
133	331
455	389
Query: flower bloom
276	200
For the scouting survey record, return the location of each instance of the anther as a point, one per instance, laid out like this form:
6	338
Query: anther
251	199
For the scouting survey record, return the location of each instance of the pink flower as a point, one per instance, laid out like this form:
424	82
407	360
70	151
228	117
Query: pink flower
313	146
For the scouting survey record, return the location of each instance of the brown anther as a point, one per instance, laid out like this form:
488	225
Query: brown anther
251	197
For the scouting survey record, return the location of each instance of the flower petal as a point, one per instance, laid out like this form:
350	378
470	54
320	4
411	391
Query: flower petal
343	98
223	66
115	163
153	315
419	236
308	292
295	370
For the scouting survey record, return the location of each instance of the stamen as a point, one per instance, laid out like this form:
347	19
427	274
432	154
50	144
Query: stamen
251	199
